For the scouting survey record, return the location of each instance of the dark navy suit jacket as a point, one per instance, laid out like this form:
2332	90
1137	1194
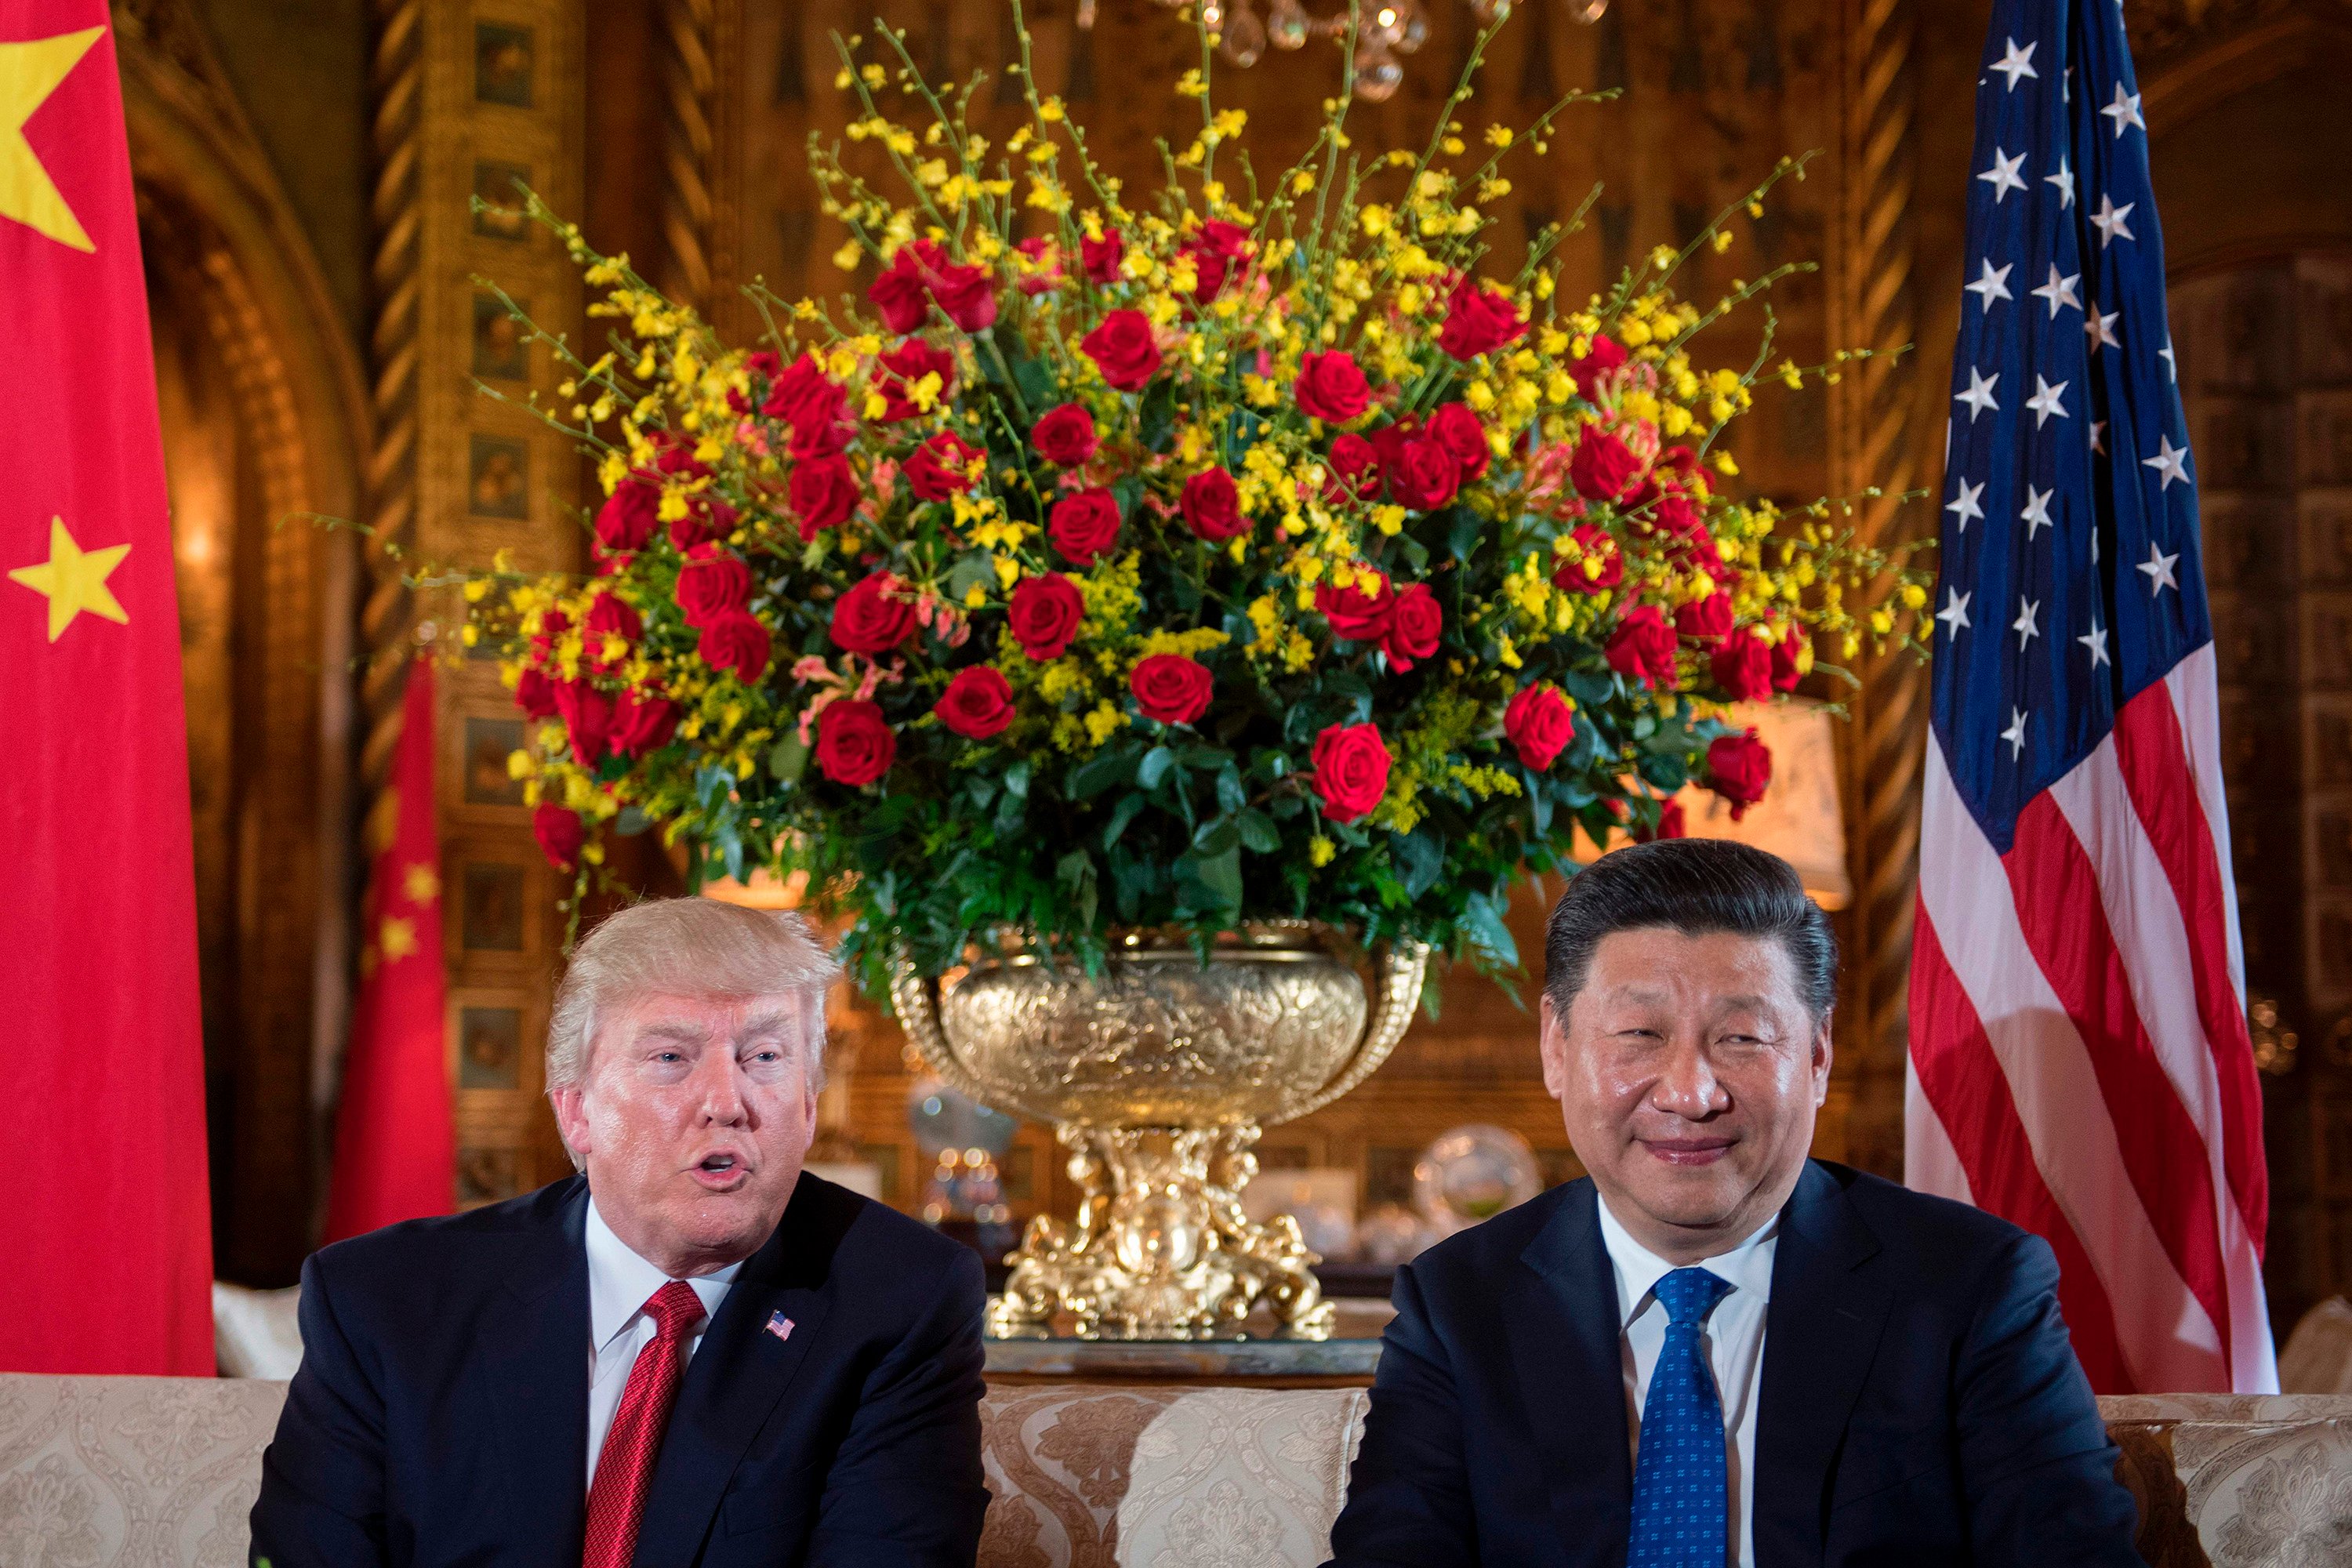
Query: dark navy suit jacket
1920	1402
440	1415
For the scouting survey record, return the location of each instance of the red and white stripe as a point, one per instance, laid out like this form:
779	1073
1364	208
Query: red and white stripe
2080	1062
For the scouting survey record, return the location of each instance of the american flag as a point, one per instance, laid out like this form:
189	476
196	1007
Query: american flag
2079	1054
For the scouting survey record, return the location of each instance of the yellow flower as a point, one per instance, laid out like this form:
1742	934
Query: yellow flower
1319	850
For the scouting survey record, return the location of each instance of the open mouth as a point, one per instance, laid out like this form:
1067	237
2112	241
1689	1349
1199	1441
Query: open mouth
721	1171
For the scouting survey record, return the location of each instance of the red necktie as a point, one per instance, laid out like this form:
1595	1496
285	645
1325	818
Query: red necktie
624	1467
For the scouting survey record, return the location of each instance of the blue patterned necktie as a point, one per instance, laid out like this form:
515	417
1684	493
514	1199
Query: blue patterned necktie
1681	1499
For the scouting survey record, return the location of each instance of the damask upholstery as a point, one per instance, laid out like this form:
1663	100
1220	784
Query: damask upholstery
159	1472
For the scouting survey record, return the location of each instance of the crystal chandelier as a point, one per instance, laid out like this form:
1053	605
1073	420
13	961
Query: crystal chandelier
1386	29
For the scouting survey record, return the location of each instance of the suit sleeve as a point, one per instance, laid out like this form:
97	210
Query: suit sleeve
2037	1470
1408	1493
322	1497
904	1489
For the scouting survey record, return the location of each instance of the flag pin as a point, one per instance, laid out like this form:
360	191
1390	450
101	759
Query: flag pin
779	1325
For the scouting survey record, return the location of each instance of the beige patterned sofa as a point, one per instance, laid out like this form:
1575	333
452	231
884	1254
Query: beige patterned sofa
160	1471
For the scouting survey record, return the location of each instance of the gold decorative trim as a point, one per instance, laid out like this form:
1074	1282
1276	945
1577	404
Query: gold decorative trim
396	77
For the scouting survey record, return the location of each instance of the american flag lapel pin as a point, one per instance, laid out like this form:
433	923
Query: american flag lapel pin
779	1325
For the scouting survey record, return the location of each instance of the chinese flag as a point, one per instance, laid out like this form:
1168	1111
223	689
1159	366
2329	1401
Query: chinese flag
106	1261
396	1149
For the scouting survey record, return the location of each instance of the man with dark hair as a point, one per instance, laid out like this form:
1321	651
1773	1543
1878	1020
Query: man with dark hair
1713	1350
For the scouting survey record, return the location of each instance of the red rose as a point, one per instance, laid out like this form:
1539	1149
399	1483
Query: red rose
899	295
802	394
535	695
1670	823
705	521
854	743
712	586
1213	251
1479	320
1084	526
587	715
677	457
1742	666
978	702
1172	689
1387	441
1706	619
1644	647
1100	258
1065	436
1454	427
627	519
1539	725
613	617
1124	349
1603	467
1046	256
735	642
1355	470
1329	386
868	620
967	295
642	722
1740	767
1413	628
1213	506
1603	357
1044	615
1599	565
1351	769
561	835
824	492
1355	614
941	466
1786	673
903	367
1425	475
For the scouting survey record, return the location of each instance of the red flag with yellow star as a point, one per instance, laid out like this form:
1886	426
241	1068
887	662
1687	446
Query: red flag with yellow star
102	1126
396	1147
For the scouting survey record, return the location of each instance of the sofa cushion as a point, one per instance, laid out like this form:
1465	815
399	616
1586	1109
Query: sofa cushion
99	1471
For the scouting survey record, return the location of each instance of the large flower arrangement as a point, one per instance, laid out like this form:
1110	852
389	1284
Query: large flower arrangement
1245	556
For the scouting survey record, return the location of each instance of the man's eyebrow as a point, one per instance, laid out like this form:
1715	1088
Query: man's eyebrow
765	1024
688	1034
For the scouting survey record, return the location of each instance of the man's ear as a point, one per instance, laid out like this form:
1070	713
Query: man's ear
1822	1054
1552	1041
571	1117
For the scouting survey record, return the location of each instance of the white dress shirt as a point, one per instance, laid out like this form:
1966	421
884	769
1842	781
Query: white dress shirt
1732	1336
620	1283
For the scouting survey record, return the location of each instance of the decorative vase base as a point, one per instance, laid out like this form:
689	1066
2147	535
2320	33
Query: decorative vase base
1160	1249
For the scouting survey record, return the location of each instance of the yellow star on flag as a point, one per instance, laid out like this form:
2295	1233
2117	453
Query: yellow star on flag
72	578
29	72
421	883
399	938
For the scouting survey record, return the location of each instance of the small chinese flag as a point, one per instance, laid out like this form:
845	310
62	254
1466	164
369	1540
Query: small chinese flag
108	1253
396	1147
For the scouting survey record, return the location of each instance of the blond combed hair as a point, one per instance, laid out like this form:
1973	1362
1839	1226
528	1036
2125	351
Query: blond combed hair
686	947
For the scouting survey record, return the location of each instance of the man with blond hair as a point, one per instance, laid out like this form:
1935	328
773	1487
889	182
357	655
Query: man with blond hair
693	1351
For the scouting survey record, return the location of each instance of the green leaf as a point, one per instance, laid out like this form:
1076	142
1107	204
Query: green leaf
1157	415
1484	922
1218	835
1210	883
1464	528
1106	770
788	758
1231	794
1420	857
972	570
1416	554
1156	763
1259	835
631	822
1121	815
1016	779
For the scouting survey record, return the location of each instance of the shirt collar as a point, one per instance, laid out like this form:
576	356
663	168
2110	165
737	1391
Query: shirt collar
1747	1266
620	1282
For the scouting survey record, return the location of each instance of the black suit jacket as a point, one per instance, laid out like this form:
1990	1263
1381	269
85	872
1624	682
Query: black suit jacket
1920	1402
440	1415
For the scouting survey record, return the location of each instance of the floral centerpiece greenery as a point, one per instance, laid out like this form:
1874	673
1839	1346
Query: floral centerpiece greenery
1241	554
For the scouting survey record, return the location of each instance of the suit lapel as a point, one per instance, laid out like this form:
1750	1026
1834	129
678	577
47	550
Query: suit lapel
1822	1332
737	1375
537	1353
1563	1328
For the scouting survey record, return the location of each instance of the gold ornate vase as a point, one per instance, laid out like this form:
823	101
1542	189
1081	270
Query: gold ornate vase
1157	1076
